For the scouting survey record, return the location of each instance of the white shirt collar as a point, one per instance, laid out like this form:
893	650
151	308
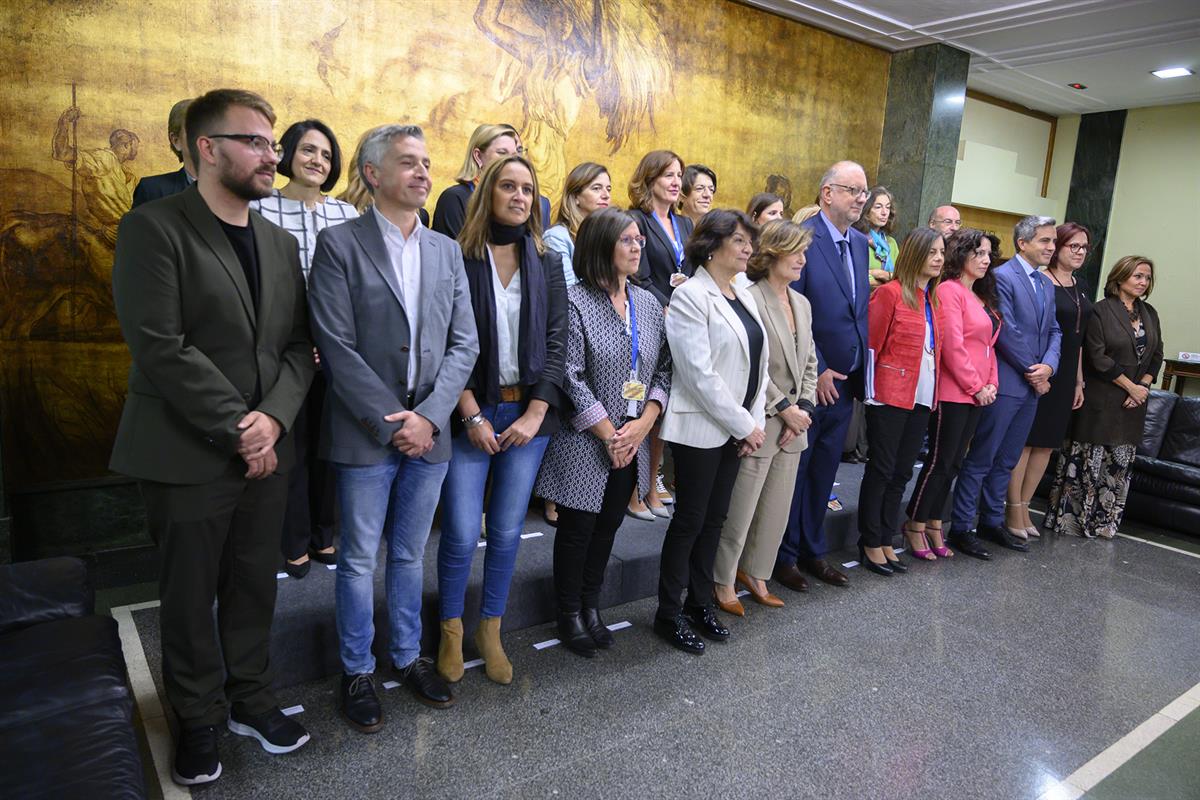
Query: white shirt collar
390	230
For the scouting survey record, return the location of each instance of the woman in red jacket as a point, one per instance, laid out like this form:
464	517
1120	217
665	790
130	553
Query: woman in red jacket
969	323
902	367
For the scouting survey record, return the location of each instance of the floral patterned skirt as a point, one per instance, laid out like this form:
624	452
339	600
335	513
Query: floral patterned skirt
1090	487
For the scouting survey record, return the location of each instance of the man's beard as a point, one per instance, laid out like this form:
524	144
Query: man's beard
244	188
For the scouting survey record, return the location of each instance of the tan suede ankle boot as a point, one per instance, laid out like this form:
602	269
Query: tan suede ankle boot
450	657
495	662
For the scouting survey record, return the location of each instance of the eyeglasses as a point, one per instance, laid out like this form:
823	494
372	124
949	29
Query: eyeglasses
854	190
630	241
259	144
1078	248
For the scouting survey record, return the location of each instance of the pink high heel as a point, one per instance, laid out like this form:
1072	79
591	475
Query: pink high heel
925	554
942	551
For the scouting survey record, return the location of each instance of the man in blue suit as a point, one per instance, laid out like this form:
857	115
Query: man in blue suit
1027	350
154	187
835	283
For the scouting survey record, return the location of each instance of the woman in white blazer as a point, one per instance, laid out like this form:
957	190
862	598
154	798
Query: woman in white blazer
714	417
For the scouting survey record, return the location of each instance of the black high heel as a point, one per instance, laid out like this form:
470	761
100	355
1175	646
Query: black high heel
878	569
896	564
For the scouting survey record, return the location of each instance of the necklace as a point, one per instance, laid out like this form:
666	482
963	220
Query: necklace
1135	314
1074	295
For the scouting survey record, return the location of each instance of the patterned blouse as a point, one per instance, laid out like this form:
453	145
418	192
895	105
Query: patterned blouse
575	468
293	217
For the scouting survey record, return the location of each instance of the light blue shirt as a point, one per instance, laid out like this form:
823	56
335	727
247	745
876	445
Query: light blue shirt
559	240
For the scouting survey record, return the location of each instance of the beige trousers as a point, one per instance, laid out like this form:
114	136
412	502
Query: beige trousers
758	515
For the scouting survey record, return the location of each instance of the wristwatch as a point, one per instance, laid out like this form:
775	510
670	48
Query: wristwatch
473	421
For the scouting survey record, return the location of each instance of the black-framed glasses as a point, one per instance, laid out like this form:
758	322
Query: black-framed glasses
854	190
1078	248
630	241
259	144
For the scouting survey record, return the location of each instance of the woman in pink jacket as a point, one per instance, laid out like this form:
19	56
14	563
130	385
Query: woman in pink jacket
902	366
969	322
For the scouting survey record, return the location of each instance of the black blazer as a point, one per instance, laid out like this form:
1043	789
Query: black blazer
1109	352
658	256
544	287
154	187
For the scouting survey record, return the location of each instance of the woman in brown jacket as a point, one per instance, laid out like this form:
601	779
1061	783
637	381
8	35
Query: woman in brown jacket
1122	353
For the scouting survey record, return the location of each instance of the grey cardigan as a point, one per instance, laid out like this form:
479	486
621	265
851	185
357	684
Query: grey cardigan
1109	352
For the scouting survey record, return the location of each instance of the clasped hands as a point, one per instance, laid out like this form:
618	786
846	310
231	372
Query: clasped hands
1139	393
795	422
1039	377
518	434
414	437
256	443
623	445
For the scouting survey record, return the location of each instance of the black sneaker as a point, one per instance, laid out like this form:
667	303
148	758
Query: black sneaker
196	757
275	732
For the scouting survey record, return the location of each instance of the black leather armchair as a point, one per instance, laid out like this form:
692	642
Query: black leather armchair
66	710
1164	486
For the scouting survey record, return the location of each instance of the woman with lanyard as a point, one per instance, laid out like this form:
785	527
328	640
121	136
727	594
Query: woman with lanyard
653	192
902	369
876	223
506	409
617	377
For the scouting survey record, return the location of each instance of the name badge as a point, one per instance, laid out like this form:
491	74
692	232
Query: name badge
633	390
678	279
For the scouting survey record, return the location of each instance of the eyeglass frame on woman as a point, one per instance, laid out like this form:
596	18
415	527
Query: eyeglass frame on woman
258	144
1075	247
630	241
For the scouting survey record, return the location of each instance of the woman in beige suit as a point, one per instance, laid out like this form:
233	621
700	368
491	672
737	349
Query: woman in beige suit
762	493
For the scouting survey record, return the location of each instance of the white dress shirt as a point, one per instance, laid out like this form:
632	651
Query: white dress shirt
508	323
405	255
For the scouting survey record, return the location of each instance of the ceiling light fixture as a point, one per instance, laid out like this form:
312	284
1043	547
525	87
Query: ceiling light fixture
1077	86
1172	72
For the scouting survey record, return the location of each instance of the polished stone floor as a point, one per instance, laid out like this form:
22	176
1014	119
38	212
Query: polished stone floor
961	679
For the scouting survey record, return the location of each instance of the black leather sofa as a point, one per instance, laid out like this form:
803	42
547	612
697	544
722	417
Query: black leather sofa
1164	486
66	711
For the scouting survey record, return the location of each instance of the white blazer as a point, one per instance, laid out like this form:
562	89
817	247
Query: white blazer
710	357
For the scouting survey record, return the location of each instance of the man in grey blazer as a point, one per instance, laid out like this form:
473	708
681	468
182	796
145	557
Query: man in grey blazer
391	316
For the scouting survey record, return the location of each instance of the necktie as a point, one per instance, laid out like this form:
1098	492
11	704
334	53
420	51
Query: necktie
1039	295
844	250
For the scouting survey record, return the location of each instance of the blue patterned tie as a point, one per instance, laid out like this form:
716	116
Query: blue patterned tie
1039	295
844	250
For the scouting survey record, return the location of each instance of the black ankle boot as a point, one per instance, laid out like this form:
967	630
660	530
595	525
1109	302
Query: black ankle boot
596	628
574	636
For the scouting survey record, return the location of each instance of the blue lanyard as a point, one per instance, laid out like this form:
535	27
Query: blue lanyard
929	320
677	245
633	333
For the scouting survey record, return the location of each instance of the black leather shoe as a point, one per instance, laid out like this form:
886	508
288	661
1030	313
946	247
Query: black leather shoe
360	704
705	622
327	559
896	564
1003	538
596	628
297	570
878	569
196	758
967	542
574	634
426	685
820	569
679	634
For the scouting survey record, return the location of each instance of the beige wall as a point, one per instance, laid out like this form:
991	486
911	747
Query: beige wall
1002	157
1155	211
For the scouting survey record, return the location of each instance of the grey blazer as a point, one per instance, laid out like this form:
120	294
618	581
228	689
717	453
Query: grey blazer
792	369
362	332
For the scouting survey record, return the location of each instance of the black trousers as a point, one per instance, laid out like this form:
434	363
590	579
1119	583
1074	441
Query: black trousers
217	541
704	480
584	541
312	485
951	427
895	436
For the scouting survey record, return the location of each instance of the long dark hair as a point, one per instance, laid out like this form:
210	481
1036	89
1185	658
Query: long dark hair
959	247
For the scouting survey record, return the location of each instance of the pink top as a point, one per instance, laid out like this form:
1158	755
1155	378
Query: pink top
967	344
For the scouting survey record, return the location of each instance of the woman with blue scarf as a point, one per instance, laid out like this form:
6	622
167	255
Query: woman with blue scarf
876	223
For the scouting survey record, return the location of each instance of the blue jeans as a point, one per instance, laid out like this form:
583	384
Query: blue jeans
513	473
392	500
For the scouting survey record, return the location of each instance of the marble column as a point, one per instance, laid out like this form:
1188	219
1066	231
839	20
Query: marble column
1093	178
926	89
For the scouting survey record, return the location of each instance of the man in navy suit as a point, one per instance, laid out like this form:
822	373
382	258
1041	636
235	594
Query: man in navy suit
1027	350
835	283
154	187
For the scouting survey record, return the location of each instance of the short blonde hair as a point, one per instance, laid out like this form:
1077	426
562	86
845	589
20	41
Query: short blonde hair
806	213
1121	271
652	165
481	139
474	234
776	239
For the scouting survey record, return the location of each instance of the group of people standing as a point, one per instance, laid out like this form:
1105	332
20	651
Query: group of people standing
357	356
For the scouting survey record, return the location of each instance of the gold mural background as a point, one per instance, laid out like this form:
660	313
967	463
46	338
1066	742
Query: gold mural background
747	93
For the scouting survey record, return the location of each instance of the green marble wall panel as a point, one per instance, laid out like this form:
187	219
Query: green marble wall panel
1093	179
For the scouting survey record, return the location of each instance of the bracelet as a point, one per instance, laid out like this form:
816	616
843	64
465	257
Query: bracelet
473	421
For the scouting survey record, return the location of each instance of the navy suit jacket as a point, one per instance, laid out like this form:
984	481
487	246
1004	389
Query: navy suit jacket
839	317
154	187
1026	337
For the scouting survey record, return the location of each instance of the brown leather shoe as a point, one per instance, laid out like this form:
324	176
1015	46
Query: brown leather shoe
735	607
820	570
769	600
789	575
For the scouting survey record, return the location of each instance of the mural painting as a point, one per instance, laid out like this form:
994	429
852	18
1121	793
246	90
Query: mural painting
85	89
